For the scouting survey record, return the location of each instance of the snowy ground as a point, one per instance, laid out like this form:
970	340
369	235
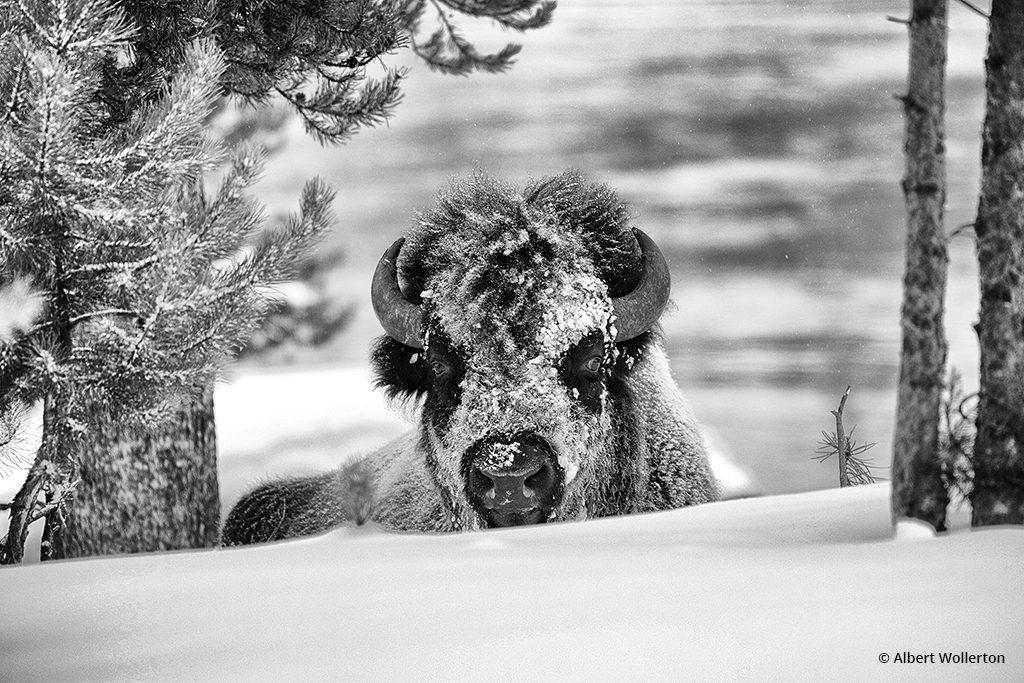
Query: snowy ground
330	414
807	586
801	587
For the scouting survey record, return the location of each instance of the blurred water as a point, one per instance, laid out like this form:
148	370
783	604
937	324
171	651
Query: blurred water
757	142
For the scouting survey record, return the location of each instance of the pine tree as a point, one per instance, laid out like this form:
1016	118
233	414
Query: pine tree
149	284
146	294
997	493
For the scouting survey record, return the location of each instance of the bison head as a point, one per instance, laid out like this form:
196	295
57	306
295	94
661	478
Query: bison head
517	315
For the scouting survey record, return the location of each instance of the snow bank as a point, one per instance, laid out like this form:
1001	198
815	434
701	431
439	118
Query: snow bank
808	586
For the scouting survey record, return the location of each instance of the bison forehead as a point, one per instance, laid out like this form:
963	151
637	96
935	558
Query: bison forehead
539	326
528	288
578	305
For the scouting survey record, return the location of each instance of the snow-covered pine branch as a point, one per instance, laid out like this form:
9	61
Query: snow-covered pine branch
148	284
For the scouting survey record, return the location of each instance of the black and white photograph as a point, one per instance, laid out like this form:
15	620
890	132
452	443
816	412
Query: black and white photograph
509	340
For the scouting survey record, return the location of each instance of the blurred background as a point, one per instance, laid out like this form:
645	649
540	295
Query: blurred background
758	143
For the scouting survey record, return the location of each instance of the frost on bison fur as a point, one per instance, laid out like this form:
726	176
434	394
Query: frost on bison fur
523	326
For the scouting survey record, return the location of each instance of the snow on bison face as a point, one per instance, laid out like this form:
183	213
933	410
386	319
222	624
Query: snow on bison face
512	314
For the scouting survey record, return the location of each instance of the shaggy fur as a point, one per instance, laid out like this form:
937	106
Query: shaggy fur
512	284
591	211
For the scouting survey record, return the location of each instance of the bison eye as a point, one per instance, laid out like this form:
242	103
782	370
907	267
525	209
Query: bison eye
440	368
583	369
444	368
592	367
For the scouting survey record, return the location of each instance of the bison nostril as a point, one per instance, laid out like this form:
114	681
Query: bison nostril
541	480
503	489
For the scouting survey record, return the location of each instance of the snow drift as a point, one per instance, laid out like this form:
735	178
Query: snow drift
805	586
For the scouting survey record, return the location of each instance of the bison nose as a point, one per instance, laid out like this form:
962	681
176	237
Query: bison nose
514	481
516	489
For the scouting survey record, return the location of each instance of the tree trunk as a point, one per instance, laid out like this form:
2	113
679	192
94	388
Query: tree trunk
917	487
998	492
49	486
54	470
147	492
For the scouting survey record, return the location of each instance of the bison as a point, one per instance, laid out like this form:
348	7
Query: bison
523	326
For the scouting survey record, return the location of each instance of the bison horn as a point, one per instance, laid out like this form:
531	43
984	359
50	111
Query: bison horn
638	311
635	313
401	319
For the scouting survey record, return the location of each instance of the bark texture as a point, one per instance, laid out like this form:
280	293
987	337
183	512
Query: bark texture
147	492
47	488
917	484
998	493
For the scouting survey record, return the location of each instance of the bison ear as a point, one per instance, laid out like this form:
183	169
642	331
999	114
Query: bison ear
399	370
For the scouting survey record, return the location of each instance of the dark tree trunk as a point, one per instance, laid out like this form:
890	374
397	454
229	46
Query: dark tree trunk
917	485
147	492
998	492
47	488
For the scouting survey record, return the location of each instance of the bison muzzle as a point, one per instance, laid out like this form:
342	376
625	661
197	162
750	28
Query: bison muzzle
514	480
522	326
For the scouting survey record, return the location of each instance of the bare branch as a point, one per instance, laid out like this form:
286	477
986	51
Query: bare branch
841	442
962	229
974	8
44	511
148	326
